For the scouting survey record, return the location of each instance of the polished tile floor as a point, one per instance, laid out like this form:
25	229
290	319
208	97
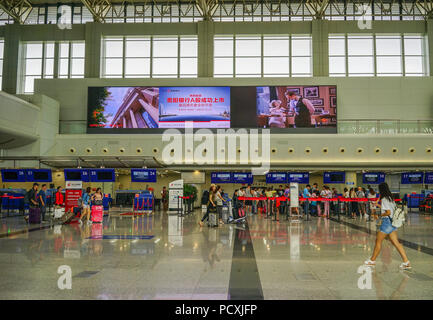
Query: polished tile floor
164	256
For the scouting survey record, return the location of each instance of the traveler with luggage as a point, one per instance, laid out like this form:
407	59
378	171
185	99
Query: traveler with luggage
164	198
387	211
43	201
86	206
97	208
211	206
361	205
219	203
34	204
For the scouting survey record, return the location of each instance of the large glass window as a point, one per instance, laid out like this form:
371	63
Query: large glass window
37	63
377	55
262	56
144	57
71	60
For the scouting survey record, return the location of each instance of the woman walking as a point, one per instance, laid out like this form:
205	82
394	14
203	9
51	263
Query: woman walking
387	208
86	206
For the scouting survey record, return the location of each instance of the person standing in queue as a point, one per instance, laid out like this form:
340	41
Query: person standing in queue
387	208
164	198
43	201
306	194
303	110
219	200
34	202
60	199
211	203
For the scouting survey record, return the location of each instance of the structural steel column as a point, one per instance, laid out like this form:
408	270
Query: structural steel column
205	34
319	30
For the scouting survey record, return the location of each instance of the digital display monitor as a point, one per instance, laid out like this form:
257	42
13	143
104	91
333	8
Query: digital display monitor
334	177
297	106
373	178
150	109
102	175
73	175
412	178
143	175
9	176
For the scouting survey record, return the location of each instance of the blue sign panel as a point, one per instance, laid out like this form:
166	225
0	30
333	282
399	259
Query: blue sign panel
299	177
38	175
412	177
334	177
76	175
221	177
143	175
428	178
242	177
276	177
373	177
13	175
102	175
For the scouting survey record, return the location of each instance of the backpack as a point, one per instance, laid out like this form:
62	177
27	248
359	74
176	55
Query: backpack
205	197
399	216
27	197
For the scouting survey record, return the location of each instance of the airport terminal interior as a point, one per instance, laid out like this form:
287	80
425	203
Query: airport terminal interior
216	150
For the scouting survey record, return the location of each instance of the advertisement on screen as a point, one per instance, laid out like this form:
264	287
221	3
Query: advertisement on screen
412	178
373	177
205	107
296	106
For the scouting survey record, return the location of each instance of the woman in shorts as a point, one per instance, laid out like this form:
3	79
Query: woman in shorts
387	208
86	206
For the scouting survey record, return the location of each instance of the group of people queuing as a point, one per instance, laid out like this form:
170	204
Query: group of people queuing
38	199
364	209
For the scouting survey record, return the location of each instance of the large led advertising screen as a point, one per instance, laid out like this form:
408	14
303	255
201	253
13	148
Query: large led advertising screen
297	107
282	109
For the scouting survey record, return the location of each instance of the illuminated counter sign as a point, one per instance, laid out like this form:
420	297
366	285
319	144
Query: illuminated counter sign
13	175
334	177
276	177
242	177
77	175
221	177
412	177
428	178
143	175
373	178
299	177
38	175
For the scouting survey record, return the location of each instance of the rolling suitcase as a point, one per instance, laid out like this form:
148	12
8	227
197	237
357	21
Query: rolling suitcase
35	215
225	214
97	214
213	221
67	217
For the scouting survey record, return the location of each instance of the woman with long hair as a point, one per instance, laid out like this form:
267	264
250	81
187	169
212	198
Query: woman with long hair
387	208
86	205
353	204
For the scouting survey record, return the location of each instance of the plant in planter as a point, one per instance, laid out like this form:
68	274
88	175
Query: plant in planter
190	190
